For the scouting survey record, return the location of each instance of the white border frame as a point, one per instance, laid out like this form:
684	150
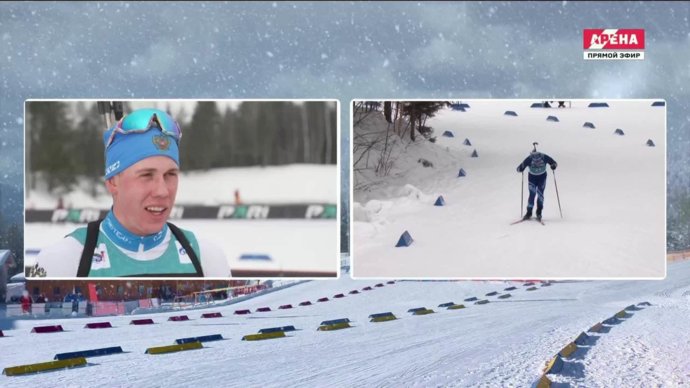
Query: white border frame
353	258
338	185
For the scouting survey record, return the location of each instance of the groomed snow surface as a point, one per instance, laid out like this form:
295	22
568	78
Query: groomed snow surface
612	193
504	343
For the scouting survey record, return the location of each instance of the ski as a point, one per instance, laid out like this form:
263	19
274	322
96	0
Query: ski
531	219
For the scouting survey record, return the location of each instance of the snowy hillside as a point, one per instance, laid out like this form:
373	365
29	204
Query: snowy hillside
503	343
611	188
306	183
292	244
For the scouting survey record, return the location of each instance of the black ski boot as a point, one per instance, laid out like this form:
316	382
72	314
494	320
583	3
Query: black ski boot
539	214
528	215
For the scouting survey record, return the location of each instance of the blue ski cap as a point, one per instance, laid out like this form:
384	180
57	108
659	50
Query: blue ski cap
127	146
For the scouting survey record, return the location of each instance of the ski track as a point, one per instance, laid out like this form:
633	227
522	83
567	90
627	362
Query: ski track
596	174
505	343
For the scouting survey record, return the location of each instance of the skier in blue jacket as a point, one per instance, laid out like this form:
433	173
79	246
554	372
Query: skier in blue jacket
536	162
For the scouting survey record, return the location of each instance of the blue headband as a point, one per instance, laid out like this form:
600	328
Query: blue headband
128	149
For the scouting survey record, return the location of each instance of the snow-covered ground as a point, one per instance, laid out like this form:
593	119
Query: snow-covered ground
296	183
293	245
501	344
612	193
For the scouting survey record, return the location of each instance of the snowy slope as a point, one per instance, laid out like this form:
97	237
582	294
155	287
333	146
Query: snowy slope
611	188
297	183
503	343
293	245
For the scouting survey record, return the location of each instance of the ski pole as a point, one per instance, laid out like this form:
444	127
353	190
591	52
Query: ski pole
104	109
118	110
557	196
522	191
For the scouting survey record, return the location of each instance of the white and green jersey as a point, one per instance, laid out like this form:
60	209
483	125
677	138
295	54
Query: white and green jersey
121	253
110	260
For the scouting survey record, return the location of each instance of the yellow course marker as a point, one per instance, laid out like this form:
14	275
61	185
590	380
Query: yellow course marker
544	382
596	328
263	336
174	348
568	350
384	318
335	326
554	365
44	366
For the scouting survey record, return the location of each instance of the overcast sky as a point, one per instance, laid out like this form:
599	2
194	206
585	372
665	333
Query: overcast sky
335	50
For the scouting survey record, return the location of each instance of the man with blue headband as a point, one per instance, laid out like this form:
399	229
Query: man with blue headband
135	239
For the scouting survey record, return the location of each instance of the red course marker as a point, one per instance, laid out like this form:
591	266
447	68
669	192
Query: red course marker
47	329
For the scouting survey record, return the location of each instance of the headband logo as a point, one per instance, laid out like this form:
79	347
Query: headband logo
113	167
162	142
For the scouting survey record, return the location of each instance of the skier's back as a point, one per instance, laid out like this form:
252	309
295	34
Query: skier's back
536	162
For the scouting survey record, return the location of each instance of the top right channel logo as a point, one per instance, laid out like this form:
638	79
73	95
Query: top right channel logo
613	44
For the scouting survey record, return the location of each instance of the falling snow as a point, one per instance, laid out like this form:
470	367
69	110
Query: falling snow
355	49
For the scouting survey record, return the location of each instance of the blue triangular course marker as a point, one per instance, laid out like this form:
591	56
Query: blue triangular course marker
588	125
619	132
439	201
405	240
510	113
461	173
659	103
475	154
448	134
552	118
650	143
467	142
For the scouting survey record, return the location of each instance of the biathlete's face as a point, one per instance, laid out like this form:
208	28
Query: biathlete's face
144	194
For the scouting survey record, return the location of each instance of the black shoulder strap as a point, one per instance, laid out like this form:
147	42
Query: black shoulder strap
179	235
92	231
89	247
